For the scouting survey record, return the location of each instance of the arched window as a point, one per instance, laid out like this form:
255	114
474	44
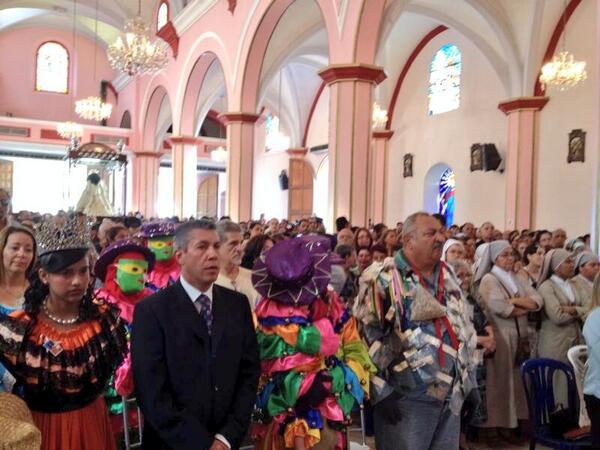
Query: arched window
275	139
444	80
52	68
446	196
163	15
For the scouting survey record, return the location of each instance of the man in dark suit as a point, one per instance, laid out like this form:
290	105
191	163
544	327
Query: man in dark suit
194	353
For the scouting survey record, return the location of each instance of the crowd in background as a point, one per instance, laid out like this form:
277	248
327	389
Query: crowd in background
537	284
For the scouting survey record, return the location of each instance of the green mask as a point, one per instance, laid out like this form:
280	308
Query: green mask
161	247
130	275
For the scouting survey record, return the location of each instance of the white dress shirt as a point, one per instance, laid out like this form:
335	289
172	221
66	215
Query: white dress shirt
193	293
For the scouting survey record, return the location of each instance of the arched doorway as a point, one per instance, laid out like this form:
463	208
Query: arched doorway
208	197
300	189
439	191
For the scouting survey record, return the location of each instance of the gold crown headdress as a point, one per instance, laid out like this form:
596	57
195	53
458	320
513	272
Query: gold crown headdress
74	234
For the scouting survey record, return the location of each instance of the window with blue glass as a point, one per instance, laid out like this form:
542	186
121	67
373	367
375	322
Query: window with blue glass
446	196
444	80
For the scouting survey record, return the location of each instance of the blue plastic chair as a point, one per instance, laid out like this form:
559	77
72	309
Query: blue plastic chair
538	378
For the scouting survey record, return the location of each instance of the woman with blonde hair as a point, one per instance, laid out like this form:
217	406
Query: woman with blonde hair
591	381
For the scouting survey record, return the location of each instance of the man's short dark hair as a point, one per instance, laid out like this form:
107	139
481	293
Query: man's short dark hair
341	223
182	234
440	218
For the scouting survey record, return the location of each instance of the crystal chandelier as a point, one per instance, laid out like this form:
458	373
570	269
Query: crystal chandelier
69	130
563	72
135	53
219	154
93	108
379	116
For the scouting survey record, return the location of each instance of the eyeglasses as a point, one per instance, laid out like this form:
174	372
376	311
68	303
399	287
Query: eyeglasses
5	202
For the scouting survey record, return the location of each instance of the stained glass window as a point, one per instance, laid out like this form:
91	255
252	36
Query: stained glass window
446	196
163	15
52	69
444	80
275	139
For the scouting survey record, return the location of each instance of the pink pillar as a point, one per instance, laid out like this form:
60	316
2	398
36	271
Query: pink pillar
350	93
523	132
144	174
377	200
184	156
240	146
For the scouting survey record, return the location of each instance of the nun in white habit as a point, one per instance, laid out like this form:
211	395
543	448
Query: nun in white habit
507	299
563	306
586	269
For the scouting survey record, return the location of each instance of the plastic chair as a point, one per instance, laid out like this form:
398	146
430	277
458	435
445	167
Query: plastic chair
577	356
538	379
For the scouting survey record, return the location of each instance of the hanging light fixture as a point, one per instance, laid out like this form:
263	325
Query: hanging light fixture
276	140
71	130
563	72
379	117
93	108
135	53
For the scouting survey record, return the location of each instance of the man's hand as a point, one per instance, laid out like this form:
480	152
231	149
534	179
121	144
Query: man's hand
218	445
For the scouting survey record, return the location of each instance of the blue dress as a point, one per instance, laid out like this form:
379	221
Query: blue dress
7	381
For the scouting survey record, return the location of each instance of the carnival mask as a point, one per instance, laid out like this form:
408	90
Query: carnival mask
161	247
130	275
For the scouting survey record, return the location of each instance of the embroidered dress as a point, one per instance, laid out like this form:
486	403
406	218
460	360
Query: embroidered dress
64	373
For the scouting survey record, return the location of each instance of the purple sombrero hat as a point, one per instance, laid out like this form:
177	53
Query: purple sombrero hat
109	254
295	271
157	229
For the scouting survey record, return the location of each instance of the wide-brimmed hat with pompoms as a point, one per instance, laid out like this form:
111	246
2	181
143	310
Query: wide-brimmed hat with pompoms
295	271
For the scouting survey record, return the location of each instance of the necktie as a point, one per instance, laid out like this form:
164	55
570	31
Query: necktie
204	307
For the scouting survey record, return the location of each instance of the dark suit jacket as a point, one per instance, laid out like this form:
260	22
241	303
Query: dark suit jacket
192	386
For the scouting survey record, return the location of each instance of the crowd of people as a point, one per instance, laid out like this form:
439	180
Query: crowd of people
278	333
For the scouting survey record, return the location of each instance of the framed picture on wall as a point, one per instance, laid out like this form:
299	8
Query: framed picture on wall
408	165
476	157
576	146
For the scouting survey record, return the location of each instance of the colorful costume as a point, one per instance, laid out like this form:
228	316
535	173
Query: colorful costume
122	267
315	368
158	237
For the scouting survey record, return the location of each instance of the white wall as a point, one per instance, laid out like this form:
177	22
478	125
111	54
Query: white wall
447	138
565	192
267	197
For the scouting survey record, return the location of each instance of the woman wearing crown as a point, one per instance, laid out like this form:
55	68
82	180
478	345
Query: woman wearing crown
64	346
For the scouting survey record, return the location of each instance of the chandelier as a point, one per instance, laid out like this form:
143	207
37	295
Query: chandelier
219	154
563	72
69	130
379	117
135	53
93	108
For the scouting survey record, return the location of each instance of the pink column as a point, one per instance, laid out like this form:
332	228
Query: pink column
350	93
523	132
377	200
144	174
184	157
240	146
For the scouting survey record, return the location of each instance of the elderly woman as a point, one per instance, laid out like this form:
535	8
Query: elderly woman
507	299
563	307
454	250
586	269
